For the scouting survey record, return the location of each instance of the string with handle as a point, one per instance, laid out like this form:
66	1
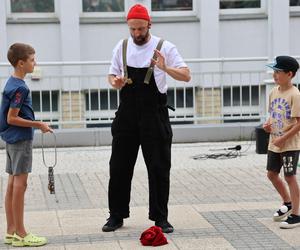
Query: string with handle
51	183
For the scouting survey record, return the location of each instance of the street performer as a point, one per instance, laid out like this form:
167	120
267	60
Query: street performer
139	67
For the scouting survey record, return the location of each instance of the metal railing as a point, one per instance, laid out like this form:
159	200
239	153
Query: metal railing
77	94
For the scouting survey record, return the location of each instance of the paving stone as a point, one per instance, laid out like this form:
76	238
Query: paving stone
214	204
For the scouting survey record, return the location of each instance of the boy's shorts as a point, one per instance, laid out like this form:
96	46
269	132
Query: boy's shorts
288	160
19	157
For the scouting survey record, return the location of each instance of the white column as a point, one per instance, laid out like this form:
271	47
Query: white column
209	28
278	28
70	41
69	30
278	36
3	39
209	38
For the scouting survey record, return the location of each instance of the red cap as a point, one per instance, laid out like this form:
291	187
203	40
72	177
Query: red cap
138	11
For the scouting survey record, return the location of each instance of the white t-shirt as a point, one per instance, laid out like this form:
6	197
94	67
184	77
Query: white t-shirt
139	56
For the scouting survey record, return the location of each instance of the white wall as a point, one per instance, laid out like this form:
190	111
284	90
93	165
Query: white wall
88	40
98	40
295	36
45	38
243	38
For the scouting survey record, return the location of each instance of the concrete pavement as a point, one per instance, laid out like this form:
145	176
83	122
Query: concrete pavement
214	204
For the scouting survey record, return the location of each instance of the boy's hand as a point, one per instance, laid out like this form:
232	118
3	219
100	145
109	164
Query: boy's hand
44	127
267	127
278	142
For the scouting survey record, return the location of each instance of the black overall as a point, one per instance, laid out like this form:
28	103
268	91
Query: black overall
142	119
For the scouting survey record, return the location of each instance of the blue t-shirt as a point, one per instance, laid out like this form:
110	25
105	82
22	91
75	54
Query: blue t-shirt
16	94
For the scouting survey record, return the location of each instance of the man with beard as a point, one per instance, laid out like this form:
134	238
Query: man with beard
138	68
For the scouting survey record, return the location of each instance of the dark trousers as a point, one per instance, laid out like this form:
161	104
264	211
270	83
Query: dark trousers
157	155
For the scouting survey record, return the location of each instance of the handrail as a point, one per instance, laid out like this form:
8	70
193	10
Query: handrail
187	60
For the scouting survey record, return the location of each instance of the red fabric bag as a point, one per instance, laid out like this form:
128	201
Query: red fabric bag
153	236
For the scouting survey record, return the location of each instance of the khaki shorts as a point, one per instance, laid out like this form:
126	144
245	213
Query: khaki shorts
19	157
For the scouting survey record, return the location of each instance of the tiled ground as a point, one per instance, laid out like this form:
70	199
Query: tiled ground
214	204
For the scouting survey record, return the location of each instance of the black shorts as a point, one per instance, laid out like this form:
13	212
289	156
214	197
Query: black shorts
288	160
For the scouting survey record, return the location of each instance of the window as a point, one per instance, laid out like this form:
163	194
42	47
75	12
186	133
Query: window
241	103
231	9
29	6
184	99
101	100
294	2
171	5
250	96
239	4
41	101
103	5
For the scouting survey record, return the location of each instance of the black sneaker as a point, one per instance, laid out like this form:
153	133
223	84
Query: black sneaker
284	211
291	222
165	226
112	224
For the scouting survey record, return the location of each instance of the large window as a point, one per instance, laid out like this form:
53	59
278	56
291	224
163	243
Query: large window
29	6
101	100
240	96
103	5
239	4
294	2
181	98
240	103
171	5
44	102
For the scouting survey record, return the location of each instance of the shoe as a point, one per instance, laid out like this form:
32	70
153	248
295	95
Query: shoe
112	224
282	212
291	222
30	240
8	238
165	226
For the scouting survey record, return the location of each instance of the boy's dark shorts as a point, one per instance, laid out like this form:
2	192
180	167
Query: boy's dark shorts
19	157
288	160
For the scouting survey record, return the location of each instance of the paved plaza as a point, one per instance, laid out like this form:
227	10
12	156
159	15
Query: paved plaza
214	203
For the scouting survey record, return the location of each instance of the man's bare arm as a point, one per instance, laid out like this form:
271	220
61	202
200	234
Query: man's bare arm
180	74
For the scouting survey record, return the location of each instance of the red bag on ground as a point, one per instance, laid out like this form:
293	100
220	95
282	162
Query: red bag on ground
153	236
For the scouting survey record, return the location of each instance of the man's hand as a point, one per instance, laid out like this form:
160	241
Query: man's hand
117	82
160	60
179	74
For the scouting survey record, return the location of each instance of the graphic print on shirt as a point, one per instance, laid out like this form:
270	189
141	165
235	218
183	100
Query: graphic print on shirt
18	98
280	113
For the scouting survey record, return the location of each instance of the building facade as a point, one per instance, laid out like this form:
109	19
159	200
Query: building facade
225	42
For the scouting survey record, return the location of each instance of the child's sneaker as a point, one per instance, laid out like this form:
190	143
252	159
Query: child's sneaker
8	239
29	240
284	211
291	222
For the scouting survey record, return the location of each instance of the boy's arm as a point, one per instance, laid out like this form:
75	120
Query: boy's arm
290	133
14	119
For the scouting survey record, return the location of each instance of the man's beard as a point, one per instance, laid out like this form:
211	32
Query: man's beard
142	39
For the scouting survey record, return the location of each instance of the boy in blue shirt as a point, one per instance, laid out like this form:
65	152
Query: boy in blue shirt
16	129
